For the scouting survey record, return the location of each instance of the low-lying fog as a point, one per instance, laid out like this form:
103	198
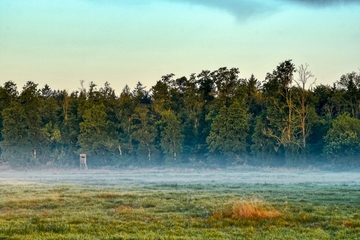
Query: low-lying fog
144	177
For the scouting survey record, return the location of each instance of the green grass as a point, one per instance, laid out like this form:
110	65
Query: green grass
161	211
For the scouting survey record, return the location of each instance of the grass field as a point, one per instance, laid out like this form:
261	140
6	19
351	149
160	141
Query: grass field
179	211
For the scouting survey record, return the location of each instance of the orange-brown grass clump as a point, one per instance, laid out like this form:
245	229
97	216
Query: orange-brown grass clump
109	195
351	223
247	210
128	210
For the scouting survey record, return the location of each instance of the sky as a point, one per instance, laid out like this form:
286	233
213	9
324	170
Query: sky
60	43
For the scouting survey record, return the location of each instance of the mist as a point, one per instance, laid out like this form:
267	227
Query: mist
206	177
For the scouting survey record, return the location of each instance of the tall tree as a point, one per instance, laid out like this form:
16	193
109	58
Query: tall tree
190	117
171	137
108	98
30	100
284	124
304	110
16	146
126	109
97	136
228	132
206	95
144	131
8	96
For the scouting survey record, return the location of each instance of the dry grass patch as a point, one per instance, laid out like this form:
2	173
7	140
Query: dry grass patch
351	223
247	209
35	202
128	210
109	195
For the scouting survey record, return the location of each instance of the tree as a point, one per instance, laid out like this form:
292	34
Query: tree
206	96
264	148
304	110
69	127
161	93
56	153
16	146
8	96
143	130
30	100
228	132
342	142
124	114
108	98
97	136
49	108
190	117
351	83
171	137
226	82
283	125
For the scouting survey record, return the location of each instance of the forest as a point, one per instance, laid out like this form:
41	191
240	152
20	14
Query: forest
213	118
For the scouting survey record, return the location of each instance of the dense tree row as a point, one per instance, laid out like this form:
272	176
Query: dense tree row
214	117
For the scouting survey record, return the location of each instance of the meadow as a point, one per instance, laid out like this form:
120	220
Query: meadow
63	206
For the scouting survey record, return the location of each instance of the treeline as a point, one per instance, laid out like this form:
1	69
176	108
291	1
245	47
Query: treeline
211	118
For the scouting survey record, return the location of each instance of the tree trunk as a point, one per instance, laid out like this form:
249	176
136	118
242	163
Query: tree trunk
149	151
120	151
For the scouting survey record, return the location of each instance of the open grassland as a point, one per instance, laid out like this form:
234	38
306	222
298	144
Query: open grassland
180	211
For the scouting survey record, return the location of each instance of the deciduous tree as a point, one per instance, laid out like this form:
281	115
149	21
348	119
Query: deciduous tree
342	142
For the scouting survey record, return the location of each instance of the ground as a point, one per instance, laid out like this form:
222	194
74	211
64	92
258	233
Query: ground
180	204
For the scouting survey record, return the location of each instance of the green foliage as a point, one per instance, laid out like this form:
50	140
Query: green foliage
228	132
16	146
144	132
210	117
171	137
342	142
97	136
264	148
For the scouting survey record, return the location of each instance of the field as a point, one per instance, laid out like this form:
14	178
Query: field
180	204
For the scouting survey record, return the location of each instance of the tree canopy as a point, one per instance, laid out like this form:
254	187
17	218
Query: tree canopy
213	117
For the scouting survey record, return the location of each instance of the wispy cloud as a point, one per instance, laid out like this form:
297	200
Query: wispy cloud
241	9
324	3
245	9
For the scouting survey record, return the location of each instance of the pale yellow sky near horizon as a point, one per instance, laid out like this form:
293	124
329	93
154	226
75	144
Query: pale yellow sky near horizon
60	43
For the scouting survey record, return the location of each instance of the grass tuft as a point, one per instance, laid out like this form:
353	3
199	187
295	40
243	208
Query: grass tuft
351	223
109	195
249	209
128	210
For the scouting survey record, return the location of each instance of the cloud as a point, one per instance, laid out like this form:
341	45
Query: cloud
241	9
324	3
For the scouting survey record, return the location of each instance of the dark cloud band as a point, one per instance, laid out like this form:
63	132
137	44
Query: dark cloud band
241	9
244	9
324	2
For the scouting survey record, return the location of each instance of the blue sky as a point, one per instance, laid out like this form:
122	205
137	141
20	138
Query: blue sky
123	42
